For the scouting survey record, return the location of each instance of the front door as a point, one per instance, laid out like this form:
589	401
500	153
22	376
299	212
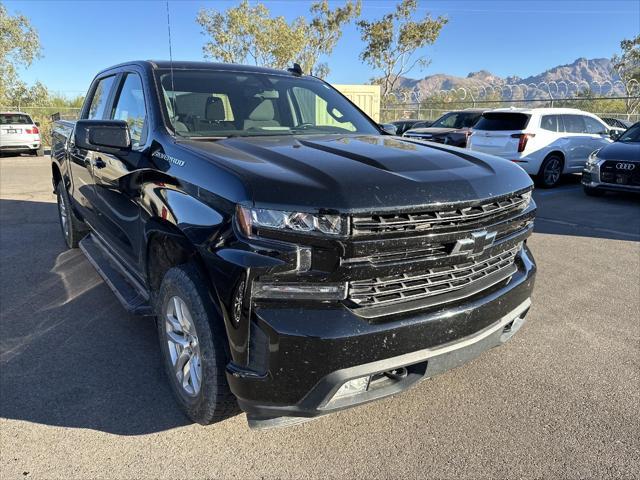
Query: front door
114	177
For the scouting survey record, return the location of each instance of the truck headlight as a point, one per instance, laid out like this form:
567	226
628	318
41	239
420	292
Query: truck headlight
251	219
527	198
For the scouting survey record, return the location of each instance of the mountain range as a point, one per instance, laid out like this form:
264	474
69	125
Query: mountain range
593	71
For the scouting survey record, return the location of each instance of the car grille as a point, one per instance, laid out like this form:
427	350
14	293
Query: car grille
438	220
610	173
464	278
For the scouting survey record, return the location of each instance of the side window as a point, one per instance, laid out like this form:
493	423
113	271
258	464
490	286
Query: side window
574	124
100	98
315	111
551	123
594	126
130	107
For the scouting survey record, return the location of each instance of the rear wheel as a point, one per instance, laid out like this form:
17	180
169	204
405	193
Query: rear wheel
194	347
72	230
593	192
550	172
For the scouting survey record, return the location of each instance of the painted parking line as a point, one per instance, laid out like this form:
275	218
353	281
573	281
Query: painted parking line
634	236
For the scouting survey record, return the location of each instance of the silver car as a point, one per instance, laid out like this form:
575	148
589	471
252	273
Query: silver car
18	133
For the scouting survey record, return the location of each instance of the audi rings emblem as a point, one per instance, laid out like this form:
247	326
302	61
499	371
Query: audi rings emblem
625	166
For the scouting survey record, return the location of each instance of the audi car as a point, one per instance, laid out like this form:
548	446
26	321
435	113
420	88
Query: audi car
615	166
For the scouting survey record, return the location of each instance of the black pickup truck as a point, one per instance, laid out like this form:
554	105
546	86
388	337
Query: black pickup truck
297	258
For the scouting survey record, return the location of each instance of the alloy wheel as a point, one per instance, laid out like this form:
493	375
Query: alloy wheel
64	215
552	171
184	349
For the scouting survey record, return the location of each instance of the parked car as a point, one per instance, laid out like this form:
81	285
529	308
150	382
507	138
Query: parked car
404	125
297	259
615	167
545	142
452	128
18	133
617	123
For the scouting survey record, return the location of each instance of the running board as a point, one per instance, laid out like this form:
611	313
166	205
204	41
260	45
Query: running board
133	297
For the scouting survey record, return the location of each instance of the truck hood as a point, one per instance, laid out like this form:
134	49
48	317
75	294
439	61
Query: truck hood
359	173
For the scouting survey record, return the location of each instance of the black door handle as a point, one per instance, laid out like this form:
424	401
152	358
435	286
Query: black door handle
99	163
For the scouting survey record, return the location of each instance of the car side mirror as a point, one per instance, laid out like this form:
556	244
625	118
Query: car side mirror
614	134
108	136
389	128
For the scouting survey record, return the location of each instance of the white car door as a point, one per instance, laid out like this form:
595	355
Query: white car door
599	133
580	143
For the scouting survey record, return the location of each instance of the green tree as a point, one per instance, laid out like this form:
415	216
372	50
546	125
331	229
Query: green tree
249	34
627	66
19	47
392	42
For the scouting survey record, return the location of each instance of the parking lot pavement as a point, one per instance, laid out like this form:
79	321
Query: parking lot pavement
83	395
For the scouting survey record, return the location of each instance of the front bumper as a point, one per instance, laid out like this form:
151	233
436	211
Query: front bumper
307	354
591	178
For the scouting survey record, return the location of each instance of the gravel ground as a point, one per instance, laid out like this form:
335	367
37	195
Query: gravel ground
82	392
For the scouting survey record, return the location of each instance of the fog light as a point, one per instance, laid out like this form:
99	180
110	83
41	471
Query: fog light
352	387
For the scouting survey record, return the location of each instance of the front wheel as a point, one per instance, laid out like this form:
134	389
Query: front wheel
194	347
550	172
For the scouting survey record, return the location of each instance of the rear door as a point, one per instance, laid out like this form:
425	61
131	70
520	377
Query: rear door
117	207
80	160
496	133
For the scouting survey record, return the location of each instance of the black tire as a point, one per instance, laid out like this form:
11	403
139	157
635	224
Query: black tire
74	229
550	172
34	152
593	192
213	402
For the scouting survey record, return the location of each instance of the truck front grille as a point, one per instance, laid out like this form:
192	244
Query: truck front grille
465	279
438	220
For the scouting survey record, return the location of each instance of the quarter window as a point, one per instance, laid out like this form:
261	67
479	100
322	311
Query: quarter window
100	98
130	108
552	123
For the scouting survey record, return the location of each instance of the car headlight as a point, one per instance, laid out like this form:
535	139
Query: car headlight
526	196
252	219
593	158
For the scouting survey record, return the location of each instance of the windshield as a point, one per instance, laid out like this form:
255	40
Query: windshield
631	135
204	103
457	120
14	119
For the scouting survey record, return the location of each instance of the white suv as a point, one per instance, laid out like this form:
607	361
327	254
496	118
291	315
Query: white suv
545	142
18	133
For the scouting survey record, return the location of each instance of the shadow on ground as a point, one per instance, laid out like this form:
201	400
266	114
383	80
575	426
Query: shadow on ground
69	354
567	210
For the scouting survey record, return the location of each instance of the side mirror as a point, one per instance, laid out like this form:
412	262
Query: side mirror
389	128
614	134
108	136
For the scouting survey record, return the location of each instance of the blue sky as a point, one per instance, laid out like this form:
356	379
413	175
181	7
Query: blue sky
505	37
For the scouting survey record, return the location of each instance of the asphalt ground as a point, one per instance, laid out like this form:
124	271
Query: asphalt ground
83	394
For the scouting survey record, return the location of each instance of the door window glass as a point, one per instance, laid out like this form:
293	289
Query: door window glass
594	126
100	98
130	107
574	124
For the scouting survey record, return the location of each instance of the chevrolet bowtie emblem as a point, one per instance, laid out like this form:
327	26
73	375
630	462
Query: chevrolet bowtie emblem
478	242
